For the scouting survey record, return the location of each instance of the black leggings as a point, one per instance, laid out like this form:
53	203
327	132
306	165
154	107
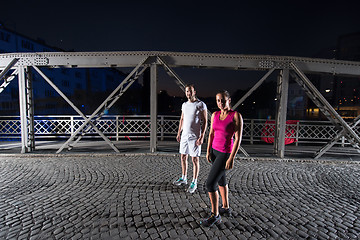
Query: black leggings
217	173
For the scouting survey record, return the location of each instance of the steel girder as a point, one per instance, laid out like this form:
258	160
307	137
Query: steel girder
280	118
179	59
23	111
153	107
87	120
112	98
8	79
299	65
30	108
328	111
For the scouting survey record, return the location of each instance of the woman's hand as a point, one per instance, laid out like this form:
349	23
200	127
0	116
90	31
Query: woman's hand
229	164
208	157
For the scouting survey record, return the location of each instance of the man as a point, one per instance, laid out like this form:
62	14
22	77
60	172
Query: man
191	134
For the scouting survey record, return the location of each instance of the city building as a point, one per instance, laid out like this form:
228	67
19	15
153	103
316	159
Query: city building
342	92
347	89
85	87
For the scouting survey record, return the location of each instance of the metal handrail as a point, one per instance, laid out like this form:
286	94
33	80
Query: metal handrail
132	127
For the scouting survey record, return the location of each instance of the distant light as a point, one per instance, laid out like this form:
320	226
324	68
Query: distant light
253	102
327	90
275	99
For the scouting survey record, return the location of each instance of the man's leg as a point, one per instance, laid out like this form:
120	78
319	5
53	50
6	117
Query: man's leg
196	168
184	165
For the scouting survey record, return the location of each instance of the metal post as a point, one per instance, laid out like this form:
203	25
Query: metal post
297	133
23	112
162	127
30	109
280	125
153	107
252	131
117	128
72	124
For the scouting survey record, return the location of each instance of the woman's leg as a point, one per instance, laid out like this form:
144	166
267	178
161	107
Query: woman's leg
224	192
224	189
214	200
216	173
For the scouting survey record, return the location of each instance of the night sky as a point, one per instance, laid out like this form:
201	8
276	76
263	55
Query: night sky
289	28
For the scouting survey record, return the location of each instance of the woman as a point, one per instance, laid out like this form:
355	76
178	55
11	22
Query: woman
224	141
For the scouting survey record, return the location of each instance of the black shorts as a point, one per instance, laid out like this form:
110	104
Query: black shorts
217	173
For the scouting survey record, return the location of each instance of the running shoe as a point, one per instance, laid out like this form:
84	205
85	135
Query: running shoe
192	187
225	212
211	220
180	181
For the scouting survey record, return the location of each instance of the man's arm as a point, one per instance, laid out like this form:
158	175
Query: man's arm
178	136
204	119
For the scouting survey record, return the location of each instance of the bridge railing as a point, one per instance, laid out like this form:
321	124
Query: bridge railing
133	127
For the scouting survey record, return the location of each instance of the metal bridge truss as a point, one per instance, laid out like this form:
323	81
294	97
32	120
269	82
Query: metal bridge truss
296	67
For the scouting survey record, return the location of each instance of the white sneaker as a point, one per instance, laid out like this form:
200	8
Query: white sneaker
192	187
180	181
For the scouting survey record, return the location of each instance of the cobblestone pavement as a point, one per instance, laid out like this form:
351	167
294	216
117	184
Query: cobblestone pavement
131	196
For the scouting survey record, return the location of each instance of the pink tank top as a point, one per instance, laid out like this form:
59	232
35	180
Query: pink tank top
223	132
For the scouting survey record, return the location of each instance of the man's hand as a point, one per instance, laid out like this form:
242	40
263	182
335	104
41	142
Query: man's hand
178	137
199	141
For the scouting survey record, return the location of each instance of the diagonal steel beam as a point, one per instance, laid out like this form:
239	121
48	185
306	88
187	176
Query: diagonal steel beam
109	98
8	79
182	85
254	88
172	73
324	104
74	107
107	107
8	67
342	133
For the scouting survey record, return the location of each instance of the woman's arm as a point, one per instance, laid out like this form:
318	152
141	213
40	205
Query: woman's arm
238	121
210	139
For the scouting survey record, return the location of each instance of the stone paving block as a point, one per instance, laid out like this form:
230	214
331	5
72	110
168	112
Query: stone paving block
332	235
94	197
